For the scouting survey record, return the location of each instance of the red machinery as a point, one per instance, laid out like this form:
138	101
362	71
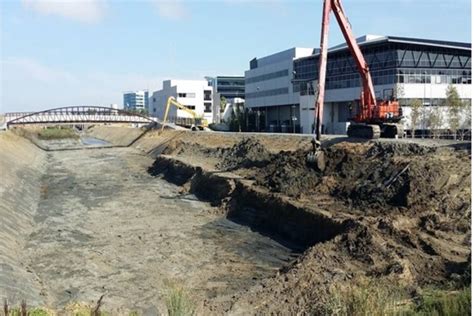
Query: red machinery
373	118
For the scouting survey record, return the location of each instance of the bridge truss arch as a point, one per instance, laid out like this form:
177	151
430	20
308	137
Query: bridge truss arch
81	115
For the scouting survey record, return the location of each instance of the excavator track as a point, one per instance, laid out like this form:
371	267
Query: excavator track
392	130
363	131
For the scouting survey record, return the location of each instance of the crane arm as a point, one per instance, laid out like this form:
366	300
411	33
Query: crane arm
368	92
172	101
368	87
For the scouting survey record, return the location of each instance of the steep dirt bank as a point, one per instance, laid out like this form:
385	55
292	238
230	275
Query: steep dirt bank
406	209
21	169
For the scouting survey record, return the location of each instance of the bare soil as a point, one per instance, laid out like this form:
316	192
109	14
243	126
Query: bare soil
397	211
242	221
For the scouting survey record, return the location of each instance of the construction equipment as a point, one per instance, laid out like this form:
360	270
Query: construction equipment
373	118
195	123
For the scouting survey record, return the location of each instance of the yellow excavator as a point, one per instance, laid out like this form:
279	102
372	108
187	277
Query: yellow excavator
195	123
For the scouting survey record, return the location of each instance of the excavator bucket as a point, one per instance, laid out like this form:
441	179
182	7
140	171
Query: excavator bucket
316	158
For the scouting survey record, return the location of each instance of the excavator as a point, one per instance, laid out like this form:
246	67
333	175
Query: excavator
195	123
373	118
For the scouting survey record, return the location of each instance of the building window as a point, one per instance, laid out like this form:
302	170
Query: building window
154	99
207	107
187	95
273	75
191	107
207	95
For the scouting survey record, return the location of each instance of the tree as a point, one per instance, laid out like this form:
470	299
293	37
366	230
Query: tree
398	92
435	120
223	104
233	122
466	119
415	115
455	109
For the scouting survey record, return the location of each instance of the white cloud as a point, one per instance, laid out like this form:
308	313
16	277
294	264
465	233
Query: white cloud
88	11
171	9
28	85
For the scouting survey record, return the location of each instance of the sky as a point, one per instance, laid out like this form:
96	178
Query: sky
88	52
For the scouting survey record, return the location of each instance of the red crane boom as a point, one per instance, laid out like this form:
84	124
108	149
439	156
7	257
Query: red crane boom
373	118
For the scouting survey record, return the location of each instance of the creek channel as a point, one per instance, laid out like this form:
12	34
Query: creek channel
104	225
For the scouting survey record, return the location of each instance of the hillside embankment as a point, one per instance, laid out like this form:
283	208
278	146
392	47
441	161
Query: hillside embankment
241	220
22	166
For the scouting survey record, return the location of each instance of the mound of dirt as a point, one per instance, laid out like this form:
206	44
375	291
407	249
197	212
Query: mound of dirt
247	153
402	175
288	173
379	149
405	209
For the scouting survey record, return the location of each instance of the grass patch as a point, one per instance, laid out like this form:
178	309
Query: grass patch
444	303
178	301
376	297
365	297
57	133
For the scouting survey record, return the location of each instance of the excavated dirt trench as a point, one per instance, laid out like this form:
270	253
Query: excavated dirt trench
103	225
242	222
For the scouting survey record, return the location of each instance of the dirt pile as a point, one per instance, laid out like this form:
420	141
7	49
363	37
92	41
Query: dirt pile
410	176
369	176
404	210
288	173
248	153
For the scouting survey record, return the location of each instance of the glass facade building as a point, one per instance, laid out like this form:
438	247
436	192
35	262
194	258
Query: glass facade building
391	60
136	100
400	67
229	86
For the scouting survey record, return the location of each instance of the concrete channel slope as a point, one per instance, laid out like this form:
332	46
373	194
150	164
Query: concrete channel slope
239	220
21	169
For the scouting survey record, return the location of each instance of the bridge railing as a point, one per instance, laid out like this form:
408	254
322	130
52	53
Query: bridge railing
79	114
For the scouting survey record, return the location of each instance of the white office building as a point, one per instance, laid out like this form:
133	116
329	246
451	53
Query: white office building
402	68
196	95
269	90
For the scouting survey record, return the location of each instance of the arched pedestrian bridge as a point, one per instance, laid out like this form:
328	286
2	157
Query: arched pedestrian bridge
77	115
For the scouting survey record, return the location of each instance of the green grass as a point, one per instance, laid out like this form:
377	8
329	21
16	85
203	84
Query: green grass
381	298
444	303
364	297
178	302
57	133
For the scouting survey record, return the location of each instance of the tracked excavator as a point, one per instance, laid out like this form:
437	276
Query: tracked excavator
195	123
372	118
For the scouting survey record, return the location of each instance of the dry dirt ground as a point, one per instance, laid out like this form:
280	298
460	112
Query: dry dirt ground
104	225
240	220
392	210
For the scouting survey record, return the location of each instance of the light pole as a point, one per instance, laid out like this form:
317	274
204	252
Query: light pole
424	97
293	117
